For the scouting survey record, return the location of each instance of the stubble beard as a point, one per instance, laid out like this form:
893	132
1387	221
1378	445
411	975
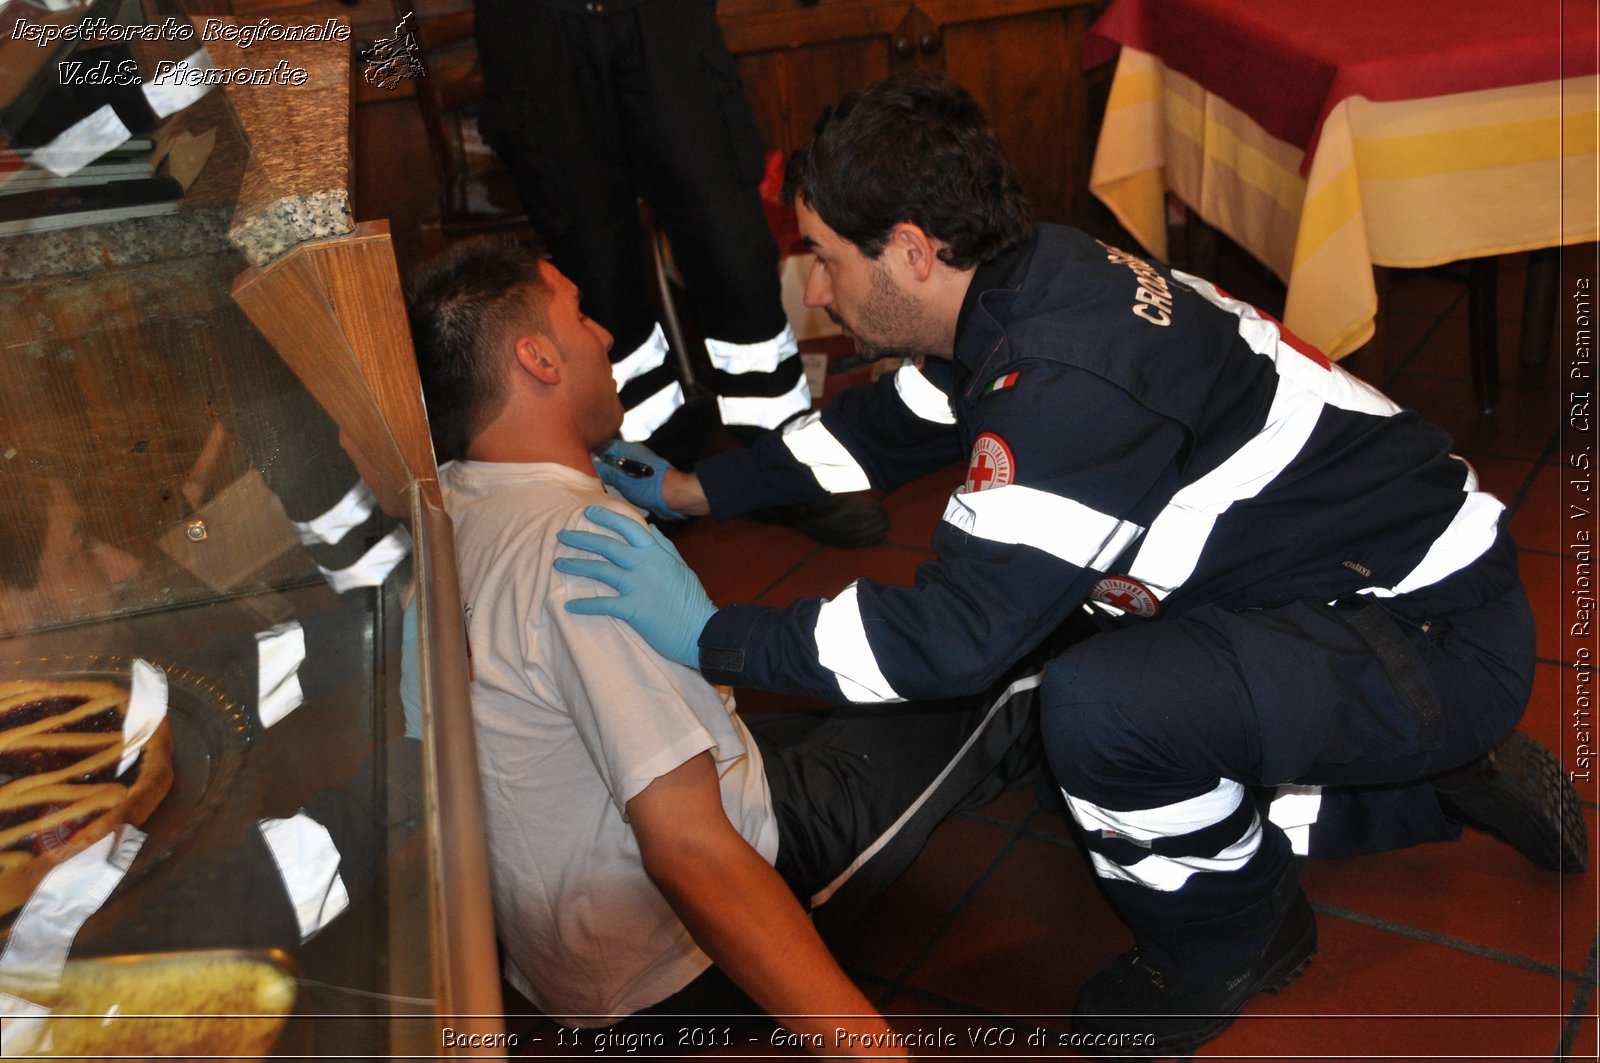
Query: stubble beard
892	320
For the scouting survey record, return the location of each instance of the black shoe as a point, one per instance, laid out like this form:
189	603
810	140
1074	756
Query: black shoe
856	519
1133	1009
1519	793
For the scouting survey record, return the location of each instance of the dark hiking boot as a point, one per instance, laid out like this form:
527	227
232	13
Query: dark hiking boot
854	519
1131	1008
1519	793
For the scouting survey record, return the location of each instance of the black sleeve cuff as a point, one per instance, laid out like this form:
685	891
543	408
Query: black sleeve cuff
728	642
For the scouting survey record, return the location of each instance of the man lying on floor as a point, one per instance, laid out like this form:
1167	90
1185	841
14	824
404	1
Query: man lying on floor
640	832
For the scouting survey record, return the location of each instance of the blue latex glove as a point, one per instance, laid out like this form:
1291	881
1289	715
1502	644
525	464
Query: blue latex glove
656	592
642	491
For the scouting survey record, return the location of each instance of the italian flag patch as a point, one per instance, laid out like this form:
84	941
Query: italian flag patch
1001	383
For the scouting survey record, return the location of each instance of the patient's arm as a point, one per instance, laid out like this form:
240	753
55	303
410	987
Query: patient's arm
741	912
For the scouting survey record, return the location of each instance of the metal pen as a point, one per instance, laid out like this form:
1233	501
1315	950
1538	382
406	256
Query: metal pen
636	469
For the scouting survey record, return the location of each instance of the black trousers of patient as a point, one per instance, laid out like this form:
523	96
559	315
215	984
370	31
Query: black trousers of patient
857	793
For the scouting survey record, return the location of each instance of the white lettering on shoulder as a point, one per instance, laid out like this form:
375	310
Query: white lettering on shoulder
1153	296
1153	315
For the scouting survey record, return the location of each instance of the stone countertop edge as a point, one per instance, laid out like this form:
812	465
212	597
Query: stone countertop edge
266	232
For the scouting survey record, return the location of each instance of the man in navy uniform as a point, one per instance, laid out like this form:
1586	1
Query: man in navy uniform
1309	635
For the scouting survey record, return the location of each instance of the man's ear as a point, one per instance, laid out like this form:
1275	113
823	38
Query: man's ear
537	356
913	249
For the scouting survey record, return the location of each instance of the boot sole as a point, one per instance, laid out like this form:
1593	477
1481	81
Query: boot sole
1529	805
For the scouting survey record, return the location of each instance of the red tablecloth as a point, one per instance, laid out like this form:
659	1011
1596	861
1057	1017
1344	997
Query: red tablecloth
1287	63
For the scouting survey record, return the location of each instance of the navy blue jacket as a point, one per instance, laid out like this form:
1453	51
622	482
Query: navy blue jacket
1137	442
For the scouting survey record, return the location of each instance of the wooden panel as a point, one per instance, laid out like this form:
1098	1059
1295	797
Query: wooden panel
789	88
394	174
764	25
1020	58
945	12
364	285
795	60
334	312
286	302
1026	71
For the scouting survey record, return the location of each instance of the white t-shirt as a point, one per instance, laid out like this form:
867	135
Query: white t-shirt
575	715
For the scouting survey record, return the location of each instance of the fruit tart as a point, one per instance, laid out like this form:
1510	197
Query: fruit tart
61	744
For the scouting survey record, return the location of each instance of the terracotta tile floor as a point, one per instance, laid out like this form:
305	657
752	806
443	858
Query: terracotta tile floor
1459	951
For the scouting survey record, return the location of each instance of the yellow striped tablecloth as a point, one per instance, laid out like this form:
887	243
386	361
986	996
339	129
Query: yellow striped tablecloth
1411	183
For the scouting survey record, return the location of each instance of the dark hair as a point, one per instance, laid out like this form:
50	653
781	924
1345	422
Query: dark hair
462	305
915	148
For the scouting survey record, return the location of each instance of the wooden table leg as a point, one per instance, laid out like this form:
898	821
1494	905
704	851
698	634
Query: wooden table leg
1380	362
1199	246
1483	296
1539	305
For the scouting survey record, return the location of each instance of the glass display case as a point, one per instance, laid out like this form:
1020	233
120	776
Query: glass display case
238	802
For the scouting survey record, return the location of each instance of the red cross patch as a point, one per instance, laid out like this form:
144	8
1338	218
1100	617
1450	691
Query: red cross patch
1126	594
991	466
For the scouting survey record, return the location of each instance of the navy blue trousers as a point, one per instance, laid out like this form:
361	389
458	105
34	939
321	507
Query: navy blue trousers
1166	737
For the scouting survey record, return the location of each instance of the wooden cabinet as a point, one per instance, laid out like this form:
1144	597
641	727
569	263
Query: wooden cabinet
1020	58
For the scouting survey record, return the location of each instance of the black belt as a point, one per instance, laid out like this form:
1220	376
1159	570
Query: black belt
1378	630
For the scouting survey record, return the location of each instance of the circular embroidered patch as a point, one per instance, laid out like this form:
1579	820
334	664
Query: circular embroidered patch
991	463
1126	594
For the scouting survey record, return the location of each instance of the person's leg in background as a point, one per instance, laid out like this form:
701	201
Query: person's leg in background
552	114
593	110
682	87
